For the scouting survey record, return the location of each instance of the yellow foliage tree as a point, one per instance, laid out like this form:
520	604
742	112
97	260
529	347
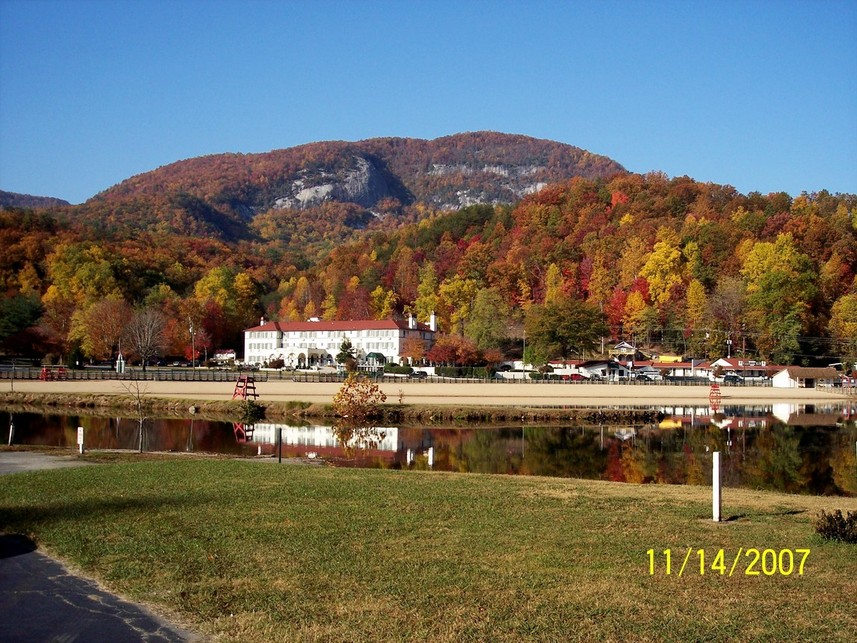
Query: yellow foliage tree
663	268
553	284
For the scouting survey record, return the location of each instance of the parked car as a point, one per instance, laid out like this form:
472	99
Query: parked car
418	375
733	378
645	377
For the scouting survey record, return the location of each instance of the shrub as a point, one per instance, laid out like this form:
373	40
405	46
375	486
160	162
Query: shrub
395	369
251	411
358	399
478	372
835	526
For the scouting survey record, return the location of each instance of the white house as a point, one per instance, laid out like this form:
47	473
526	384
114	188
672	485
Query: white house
223	356
802	377
316	343
748	369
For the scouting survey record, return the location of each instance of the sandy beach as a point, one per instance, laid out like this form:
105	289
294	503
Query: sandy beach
412	392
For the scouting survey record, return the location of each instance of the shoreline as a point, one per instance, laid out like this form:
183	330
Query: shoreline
408	402
413	393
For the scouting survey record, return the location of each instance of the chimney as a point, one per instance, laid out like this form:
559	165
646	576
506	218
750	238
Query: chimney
433	322
412	323
262	320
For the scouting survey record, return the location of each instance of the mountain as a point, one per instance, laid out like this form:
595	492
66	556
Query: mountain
15	200
347	184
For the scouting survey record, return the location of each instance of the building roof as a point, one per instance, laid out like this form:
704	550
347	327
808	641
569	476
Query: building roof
338	326
816	373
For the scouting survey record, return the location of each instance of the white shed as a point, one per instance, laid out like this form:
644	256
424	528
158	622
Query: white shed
804	377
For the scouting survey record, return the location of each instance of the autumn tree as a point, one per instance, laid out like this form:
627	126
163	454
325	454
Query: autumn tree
145	335
55	322
726	306
455	300
454	350
359	399
82	273
427	298
383	303
100	327
346	355
843	325
632	260
694	316
601	280
488	320
414	350
636	314
663	268
553	284
17	314
404	274
780	285
565	328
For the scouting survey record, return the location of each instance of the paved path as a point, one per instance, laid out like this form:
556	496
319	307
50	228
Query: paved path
17	461
40	600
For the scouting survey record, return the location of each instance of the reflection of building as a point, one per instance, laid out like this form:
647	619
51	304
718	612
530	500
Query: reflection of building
316	343
809	414
318	438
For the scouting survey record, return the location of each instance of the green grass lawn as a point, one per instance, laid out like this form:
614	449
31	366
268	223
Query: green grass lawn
249	551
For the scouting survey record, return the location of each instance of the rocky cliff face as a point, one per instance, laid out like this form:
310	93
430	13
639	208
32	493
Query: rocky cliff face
361	183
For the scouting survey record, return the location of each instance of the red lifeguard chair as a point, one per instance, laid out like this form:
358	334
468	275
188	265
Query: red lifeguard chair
243	432
245	388
714	397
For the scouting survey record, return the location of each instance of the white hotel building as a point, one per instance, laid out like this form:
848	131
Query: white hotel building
317	343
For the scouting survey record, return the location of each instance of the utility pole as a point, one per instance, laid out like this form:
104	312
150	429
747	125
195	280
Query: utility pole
192	343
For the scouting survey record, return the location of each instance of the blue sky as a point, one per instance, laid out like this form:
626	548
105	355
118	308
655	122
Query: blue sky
760	95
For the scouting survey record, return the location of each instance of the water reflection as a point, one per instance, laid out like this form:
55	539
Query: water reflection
793	449
124	433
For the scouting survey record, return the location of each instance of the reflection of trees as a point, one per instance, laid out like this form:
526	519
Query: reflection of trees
354	437
816	449
843	463
639	464
492	452
778	463
357	402
614	469
694	469
564	452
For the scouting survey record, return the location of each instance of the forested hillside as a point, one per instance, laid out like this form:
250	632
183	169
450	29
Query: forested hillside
672	263
15	200
316	195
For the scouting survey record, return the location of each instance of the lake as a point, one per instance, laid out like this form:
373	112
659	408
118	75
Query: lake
807	449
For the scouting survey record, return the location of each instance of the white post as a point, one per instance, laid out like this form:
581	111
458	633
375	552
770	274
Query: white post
431	457
715	487
80	439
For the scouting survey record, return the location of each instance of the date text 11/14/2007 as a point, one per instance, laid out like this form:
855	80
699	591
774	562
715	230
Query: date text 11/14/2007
747	562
